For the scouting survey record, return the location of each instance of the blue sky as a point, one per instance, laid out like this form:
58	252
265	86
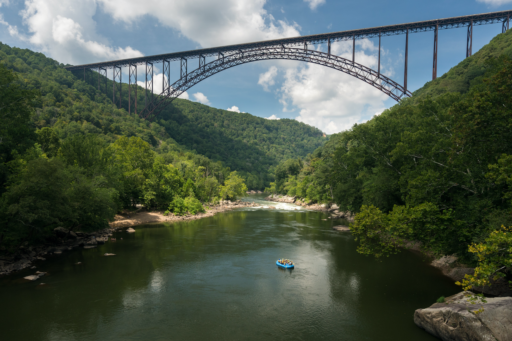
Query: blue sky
86	31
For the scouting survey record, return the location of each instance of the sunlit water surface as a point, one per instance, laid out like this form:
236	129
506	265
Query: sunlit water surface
216	279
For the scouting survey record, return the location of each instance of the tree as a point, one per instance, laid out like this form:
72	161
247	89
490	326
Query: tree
234	187
162	185
16	107
48	140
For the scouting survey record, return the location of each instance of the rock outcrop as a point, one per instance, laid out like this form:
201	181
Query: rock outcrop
456	320
448	265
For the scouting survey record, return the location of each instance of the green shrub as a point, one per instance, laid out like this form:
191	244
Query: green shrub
180	206
177	206
193	205
441	300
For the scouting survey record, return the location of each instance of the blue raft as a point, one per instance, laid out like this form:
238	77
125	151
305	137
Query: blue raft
284	266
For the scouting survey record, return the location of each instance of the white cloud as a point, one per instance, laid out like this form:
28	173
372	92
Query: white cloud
273	117
234	108
495	2
331	100
267	79
379	112
207	22
67	32
313	4
158	85
201	98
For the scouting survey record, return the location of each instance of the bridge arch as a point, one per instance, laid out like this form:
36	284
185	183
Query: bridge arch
224	62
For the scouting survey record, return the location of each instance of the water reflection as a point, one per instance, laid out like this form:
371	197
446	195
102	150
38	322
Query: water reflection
216	278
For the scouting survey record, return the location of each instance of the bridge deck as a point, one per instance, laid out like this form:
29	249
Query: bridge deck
421	26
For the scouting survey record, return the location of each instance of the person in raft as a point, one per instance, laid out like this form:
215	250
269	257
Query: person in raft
285	262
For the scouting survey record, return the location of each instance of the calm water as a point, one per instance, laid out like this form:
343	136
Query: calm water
216	279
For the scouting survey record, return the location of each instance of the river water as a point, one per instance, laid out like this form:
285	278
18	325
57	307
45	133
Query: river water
216	279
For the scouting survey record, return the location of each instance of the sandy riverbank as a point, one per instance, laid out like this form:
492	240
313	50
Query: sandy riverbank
145	217
65	240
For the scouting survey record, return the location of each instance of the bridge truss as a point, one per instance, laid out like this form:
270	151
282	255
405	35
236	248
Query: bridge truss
223	62
295	48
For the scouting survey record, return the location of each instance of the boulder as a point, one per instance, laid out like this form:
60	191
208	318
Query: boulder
31	277
109	254
36	276
341	228
130	230
101	240
444	261
456	320
61	232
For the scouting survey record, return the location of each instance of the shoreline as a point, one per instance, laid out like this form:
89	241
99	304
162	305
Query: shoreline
331	208
148	217
448	265
65	240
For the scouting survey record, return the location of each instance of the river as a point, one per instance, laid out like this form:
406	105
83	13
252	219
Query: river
216	279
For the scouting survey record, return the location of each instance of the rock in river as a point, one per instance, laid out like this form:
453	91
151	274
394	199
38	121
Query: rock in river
341	228
130	230
455	320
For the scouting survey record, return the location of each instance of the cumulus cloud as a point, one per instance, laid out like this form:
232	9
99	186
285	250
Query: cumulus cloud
207	22
67	32
201	98
330	100
273	117
234	108
495	2
313	4
267	79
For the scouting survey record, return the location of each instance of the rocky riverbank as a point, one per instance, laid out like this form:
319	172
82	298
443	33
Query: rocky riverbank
65	240
145	217
333	209
457	319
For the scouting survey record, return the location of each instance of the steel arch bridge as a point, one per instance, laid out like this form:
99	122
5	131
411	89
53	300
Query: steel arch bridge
366	74
294	48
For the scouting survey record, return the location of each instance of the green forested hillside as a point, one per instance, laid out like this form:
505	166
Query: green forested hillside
248	144
69	157
435	168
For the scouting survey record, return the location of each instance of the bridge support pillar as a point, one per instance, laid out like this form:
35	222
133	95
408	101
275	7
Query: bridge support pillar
406	58
149	81
183	68
378	68
222	55
102	72
202	62
434	66
469	42
353	49
505	26
117	74
329	47
132	74
166	77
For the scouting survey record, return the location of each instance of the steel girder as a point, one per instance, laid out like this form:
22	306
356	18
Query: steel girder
366	74
132	79
117	74
373	32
